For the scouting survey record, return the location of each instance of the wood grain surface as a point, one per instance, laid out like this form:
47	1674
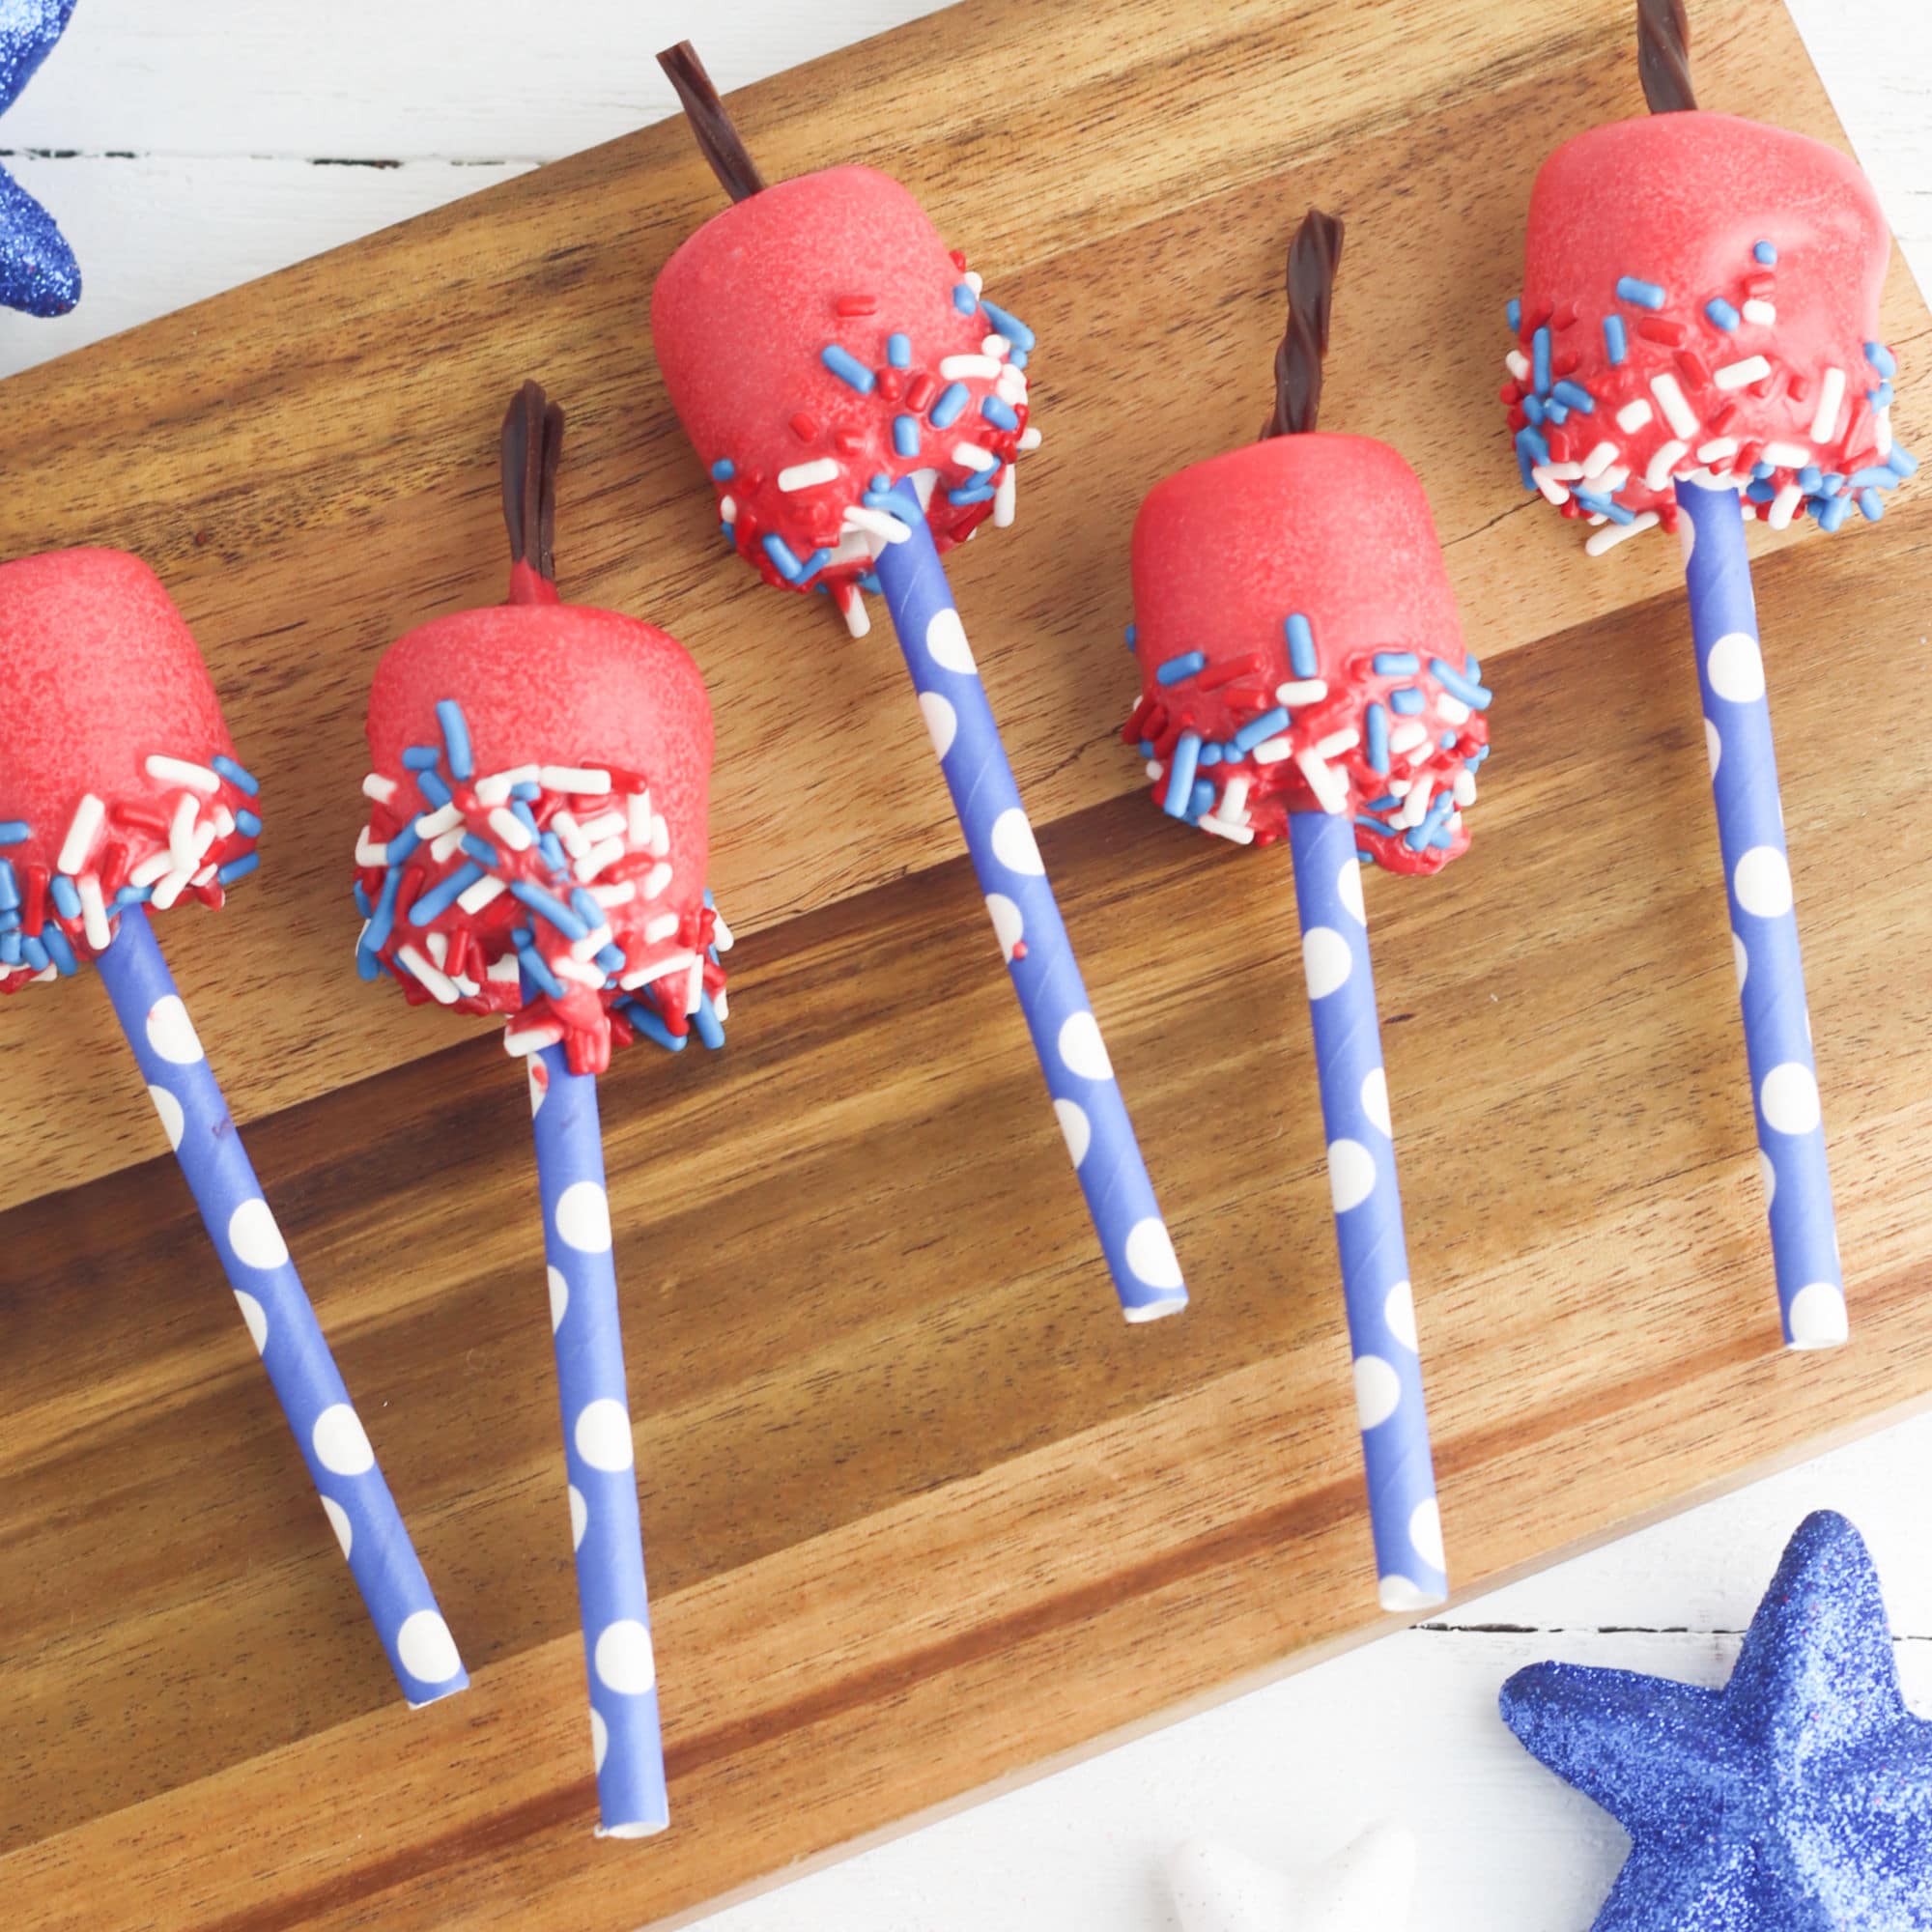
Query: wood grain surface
920	1512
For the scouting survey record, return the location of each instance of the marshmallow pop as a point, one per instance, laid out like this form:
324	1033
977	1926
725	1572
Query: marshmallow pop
120	792
536	851
1697	339
1302	674
860	405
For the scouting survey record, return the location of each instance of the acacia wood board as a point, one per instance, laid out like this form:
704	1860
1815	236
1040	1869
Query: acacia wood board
922	1513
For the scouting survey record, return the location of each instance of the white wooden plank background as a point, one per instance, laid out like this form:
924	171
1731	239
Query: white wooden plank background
186	148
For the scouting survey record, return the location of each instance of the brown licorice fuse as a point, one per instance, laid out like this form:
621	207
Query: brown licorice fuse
1313	257
722	146
1663	56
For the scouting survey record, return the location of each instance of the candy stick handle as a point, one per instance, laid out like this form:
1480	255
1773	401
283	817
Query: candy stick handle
1402	1513
1026	919
276	1309
1764	928
626	1745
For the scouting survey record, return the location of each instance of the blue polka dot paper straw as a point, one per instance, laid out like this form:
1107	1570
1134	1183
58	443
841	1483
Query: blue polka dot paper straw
1402	1513
1026	920
626	1746
1764	930
330	1433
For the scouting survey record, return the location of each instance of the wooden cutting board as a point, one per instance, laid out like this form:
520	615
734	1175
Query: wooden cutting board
922	1512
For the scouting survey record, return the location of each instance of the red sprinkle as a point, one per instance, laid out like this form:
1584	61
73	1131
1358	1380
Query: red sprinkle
920	391
890	384
1722	414
1019	948
1695	369
33	900
804	427
1216	675
1564	364
849	442
958	256
1757	287
147	817
1660	328
857	304
1563	317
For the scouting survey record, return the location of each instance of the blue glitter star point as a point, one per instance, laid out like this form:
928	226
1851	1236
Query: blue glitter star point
37	272
1797	1798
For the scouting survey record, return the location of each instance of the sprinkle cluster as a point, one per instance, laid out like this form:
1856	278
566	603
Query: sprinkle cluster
192	833
1704	395
948	418
1391	737
529	892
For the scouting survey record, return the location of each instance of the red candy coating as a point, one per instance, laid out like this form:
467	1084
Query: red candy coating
1682	201
741	317
1335	528
99	672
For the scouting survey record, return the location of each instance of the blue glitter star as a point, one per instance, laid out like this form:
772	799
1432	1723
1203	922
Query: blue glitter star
37	272
1797	1798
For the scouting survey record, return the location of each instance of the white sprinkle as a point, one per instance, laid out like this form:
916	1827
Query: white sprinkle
1301	690
592	943
1786	455
1882	432
442	847
573	777
1613	480
1337	742
662	969
224	821
880	524
181	833
1269	752
1011	387
377	788
466	987
1416	804
1518	364
1633	415
530	1039
964	368
995	346
1401	787
1233	801
621	894
974	280
1464	790
1452	710
93	912
694	986
721	933
565	824
599	859
1553	491
1613	534
1783	505
503	968
1598	460
88	818
1830	396
1677	413
444	818
511	829
804	476
1028	440
1760	311
206	876
637	818
656	879
567	968
1407	735
924	481
1330	786
1657	474
441	987
605	825
1736	375
177	771
1565	471
851	602
1716	449
728	508
368	852
660	845
665	927
973	456
1155	770
150	869
1005	498
438	948
496	789
474	897
1241	835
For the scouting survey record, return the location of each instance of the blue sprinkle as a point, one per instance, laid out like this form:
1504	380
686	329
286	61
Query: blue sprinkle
1379	739
482	851
1182	666
1448	741
880	481
1301	646
367	965
1181	775
964	298
898	349
1606	506
1532	408
1531	440
1760	471
1131	634
724	470
1880	398
1723	314
10	948
1406	702
730	535
1645	295
847	367
1614	339
1257	729
1459	684
1766	252
1574	396
1472	669
1147	748
1512	314
422	759
1475	758
1760	492
997	412
439	898
1556	412
13	832
651	1026
612	959
1833	482
1810	479
1386	803
1835	512
54	939
1397	663
952	399
1539	360
526	789
1902	460
364	904
67	900
710	1028
1871	506
1204	797
905	435
1211	753
583	903
550	848
536	969
237	776
247	824
1420	835
1875	477
1018	359
784	559
35	953
1882	359
433	789
973	493
456	739
132	895
813	564
237	868
10	888
547	905
381	922
1010	326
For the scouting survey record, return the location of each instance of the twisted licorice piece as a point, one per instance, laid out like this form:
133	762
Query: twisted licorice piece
722	146
1313	257
532	449
1663	56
